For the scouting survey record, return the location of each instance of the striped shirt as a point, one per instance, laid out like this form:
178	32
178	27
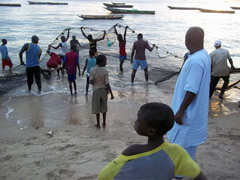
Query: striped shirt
71	61
162	163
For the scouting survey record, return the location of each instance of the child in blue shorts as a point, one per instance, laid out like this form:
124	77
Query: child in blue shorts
89	64
122	46
72	63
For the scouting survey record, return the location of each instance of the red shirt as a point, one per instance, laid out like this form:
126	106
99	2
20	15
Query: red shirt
122	50
54	61
71	60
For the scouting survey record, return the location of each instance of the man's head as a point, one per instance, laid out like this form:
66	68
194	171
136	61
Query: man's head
73	37
4	41
90	37
217	44
63	39
154	119
139	36
194	39
101	60
35	39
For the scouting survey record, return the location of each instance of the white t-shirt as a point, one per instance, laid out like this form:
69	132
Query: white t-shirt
64	48
195	78
219	62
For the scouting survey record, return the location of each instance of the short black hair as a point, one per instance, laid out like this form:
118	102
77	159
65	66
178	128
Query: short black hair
100	58
140	35
91	52
158	116
4	41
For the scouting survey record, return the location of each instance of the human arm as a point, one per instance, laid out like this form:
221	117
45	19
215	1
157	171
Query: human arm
115	30
110	90
68	34
132	54
24	48
188	98
85	66
56	47
79	71
83	33
231	62
40	53
150	48
101	37
125	33
78	43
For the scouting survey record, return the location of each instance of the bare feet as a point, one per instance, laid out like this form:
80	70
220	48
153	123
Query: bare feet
97	126
103	125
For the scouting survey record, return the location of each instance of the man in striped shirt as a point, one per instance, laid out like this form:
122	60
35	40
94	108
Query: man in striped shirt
71	61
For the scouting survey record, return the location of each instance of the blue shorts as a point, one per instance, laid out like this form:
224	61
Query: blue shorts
137	63
71	77
121	58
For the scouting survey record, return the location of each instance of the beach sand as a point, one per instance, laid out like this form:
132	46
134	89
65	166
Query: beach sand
80	151
52	136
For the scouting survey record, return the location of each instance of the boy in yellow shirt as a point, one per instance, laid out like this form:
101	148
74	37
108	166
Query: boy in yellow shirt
156	160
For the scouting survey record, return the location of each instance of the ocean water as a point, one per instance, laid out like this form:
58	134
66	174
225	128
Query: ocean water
167	29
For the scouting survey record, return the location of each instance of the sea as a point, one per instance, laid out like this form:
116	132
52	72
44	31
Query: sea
167	29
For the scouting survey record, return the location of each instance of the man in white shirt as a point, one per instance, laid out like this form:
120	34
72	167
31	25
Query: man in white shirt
191	95
220	68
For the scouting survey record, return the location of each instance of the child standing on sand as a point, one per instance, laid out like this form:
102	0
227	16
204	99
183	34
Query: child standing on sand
101	87
89	64
157	159
6	61
72	62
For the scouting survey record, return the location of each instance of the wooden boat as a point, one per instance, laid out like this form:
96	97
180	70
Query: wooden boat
118	5
234	7
183	8
216	11
12	5
110	16
46	3
129	11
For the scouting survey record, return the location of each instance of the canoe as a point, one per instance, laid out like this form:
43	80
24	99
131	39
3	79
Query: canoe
13	5
234	7
183	8
216	11
118	5
46	3
129	11
110	16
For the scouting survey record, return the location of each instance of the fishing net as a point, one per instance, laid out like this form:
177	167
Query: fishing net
163	64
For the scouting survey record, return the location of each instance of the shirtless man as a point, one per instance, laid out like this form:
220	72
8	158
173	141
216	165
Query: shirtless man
140	58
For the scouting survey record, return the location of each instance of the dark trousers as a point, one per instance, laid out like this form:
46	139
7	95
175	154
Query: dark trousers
33	71
214	81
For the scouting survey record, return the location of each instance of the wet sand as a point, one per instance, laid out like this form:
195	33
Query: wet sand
80	151
52	135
